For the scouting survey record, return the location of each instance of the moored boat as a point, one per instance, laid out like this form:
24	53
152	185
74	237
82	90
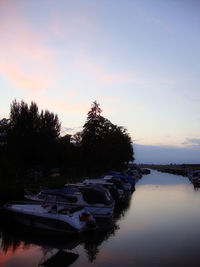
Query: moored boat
124	177
50	216
93	198
117	194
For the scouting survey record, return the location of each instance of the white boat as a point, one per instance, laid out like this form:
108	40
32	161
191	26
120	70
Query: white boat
117	193
122	184
50	216
94	199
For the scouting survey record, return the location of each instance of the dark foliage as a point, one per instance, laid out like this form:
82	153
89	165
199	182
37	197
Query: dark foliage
105	146
4	161
32	136
30	139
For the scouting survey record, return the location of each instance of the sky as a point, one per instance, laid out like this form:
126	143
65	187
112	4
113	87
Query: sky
140	60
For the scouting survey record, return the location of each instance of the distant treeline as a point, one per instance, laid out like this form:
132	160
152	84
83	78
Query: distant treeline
31	141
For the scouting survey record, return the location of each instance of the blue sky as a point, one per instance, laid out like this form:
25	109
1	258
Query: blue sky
139	59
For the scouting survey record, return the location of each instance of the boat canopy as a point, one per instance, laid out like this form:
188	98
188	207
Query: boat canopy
129	178
194	173
93	194
67	193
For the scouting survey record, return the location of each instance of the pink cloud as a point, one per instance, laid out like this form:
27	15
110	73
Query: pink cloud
79	24
59	105
25	59
97	72
101	74
117	78
21	79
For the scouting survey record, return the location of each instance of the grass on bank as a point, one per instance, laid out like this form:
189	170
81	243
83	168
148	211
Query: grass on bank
14	190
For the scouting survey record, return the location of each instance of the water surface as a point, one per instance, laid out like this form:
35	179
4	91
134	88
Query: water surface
160	226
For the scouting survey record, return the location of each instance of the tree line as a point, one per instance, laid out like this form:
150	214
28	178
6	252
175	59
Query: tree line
32	139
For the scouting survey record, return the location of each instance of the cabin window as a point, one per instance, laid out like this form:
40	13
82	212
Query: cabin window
68	199
42	196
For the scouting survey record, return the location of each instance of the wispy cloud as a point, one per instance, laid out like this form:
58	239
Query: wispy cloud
151	18
58	104
70	26
97	72
192	142
25	59
73	130
23	80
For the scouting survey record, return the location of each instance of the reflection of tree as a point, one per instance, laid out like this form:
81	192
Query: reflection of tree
196	186
53	246
61	258
121	209
91	241
91	248
15	236
9	243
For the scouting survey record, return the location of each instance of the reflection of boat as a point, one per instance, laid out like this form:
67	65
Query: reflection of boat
50	216
194	177
18	235
14	236
145	171
61	258
92	241
55	249
121	210
94	199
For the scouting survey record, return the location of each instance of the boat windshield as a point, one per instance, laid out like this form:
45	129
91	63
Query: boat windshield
94	196
67	198
42	196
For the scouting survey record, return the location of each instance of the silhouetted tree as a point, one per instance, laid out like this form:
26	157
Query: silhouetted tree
104	145
4	128
118	147
68	155
4	161
32	136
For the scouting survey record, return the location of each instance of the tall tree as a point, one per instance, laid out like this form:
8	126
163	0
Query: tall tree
4	160
104	144
33	135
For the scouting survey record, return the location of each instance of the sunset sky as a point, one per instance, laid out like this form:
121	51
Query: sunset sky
139	59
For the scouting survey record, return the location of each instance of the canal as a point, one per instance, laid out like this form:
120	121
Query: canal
159	226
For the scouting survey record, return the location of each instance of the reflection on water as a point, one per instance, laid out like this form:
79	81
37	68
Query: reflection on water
61	258
50	250
158	226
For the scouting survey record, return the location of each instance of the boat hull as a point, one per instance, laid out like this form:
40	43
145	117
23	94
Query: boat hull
49	222
98	211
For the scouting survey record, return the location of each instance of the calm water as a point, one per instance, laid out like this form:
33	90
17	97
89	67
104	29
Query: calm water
160	226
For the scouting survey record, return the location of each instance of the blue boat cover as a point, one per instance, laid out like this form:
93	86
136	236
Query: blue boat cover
123	176
61	192
193	172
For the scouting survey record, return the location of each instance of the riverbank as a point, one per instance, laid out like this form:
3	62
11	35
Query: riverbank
177	169
14	190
